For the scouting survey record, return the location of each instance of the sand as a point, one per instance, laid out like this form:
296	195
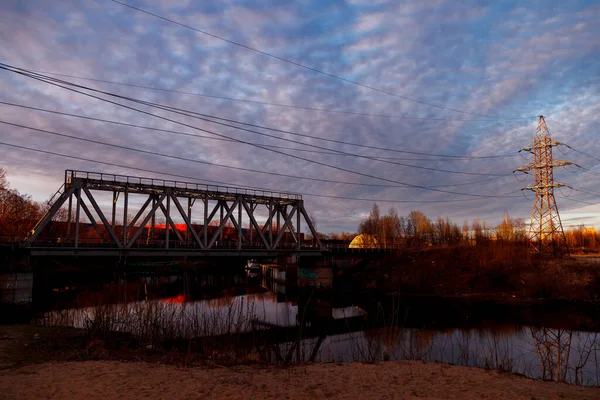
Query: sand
393	380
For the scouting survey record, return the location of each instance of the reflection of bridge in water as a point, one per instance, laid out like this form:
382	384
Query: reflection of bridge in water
221	231
301	324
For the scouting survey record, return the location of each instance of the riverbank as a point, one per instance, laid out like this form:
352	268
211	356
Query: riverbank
391	380
38	362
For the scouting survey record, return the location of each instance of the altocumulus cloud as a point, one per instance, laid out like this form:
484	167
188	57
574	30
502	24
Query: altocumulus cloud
510	60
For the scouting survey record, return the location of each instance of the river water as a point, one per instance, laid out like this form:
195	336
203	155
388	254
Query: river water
302	324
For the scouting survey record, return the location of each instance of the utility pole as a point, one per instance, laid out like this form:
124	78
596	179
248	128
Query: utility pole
545	231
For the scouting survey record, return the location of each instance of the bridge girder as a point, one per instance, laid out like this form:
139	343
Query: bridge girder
221	206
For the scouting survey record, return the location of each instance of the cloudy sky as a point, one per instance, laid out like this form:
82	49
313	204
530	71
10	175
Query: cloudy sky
444	92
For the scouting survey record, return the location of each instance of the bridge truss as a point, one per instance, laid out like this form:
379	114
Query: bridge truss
223	209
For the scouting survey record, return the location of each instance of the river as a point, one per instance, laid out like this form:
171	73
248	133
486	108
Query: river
287	323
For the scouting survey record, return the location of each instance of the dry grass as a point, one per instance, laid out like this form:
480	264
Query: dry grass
492	269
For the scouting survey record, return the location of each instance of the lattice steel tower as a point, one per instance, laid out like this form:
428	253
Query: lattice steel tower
545	231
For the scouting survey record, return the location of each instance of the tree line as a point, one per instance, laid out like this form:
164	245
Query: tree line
418	230
19	213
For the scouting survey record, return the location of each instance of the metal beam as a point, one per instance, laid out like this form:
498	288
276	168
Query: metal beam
157	252
208	220
222	224
114	207
69	217
231	218
139	213
240	223
87	212
148	217
205	226
269	223
222	203
278	215
286	225
253	222
49	215
102	217
284	213
167	212
187	221
189	217
125	206
313	231
298	236
153	218
77	211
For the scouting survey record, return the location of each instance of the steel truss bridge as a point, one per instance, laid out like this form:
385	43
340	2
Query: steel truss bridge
222	209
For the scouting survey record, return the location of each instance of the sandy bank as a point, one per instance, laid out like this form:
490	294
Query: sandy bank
397	380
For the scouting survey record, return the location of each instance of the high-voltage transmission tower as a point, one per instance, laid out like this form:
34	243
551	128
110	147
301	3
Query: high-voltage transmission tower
546	233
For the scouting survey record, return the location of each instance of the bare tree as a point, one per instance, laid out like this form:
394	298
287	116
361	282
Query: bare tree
419	228
371	226
18	213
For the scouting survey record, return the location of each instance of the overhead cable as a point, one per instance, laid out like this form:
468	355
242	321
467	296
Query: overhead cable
224	183
301	65
216	138
255	145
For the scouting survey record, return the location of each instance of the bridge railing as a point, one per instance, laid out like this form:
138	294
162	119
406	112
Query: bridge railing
166	183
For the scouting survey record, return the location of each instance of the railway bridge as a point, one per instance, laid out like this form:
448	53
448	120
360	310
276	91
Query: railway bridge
157	217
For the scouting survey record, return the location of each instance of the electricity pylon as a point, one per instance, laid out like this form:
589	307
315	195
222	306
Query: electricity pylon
545	231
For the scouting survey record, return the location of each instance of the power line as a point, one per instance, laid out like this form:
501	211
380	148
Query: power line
585	154
323	151
572	148
586	191
254	145
213	138
556	122
211	118
187	112
590	171
580	201
264	103
225	183
311	68
271	173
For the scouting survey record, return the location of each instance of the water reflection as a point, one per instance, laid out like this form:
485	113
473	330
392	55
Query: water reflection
300	325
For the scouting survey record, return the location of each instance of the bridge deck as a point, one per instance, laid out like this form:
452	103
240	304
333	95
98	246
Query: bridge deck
161	252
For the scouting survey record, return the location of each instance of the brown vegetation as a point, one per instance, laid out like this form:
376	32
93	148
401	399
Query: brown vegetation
494	269
19	213
416	230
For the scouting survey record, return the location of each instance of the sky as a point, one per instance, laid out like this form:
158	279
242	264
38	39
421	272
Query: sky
461	84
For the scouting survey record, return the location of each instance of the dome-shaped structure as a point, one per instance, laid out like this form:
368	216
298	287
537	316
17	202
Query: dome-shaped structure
363	241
